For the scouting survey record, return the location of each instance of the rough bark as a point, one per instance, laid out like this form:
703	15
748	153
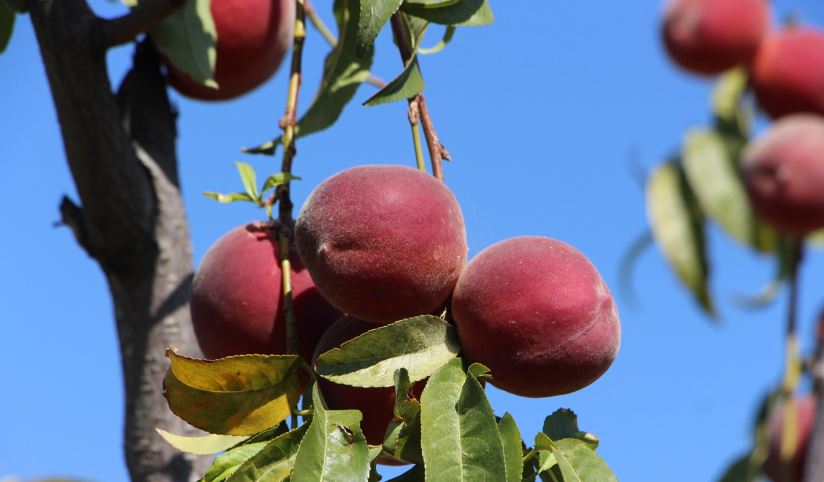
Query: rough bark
121	152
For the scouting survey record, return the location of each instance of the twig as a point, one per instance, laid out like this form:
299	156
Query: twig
437	152
414	121
123	29
289	123
792	372
327	34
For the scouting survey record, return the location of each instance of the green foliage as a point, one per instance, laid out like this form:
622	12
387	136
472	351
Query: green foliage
239	395
403	436
188	38
343	72
459	433
6	25
374	14
463	13
227	464
404	86
513	447
422	344
201	445
334	447
274	461
563	423
448	33
579	463
678	228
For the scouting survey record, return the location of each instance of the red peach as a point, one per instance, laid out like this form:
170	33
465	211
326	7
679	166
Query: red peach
382	242
805	417
788	72
537	313
237	299
252	39
784	174
711	36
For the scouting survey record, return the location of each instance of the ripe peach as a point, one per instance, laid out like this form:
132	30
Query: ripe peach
711	36
382	242
784	174
537	313
237	299
805	418
788	72
252	39
376	404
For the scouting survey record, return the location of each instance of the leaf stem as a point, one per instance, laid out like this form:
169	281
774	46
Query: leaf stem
437	152
289	125
414	122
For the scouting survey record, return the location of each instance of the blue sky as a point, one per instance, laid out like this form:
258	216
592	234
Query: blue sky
540	111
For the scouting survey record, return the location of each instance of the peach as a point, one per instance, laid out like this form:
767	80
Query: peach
805	418
237	299
788	72
784	174
711	36
376	404
537	313
252	39
382	242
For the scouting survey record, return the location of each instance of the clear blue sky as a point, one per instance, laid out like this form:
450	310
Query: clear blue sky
540	111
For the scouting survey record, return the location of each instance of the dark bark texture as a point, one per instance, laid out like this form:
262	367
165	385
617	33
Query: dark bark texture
121	152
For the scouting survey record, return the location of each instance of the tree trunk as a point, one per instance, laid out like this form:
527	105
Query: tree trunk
121	151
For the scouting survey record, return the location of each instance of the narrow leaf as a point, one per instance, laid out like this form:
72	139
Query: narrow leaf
563	423
334	448
249	179
420	344
466	13
404	86
201	445
579	463
432	3
447	37
403	435
459	434
274	462
188	38
277	179
239	395
373	16
229	198
712	174
343	73
740	470
416	27
513	447
678	230
6	25
727	94
227	464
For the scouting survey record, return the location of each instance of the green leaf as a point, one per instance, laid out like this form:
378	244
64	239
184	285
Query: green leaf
278	179
229	198
740	470
6	25
677	227
420	344
404	86
713	176
343	73
415	474
513	447
579	463
238	395
447	37
403	435
563	423
274	462
727	95
187	38
459	434
201	445
373	16
334	448
416	28
465	13
227	464
249	179
432	3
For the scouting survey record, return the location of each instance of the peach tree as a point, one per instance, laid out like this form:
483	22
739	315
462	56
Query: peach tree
357	334
764	191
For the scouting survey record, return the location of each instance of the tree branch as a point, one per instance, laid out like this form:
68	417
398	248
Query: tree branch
814	470
123	29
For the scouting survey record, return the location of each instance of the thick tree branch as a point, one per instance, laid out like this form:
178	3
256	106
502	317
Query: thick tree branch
123	29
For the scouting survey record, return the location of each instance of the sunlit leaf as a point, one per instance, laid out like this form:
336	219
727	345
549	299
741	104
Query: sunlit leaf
239	395
577	462
249	179
373	16
187	37
420	344
229	198
460	438
275	461
334	448
678	229
404	86
513	447
343	73
726	97
403	436
465	13
227	464
277	179
201	444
